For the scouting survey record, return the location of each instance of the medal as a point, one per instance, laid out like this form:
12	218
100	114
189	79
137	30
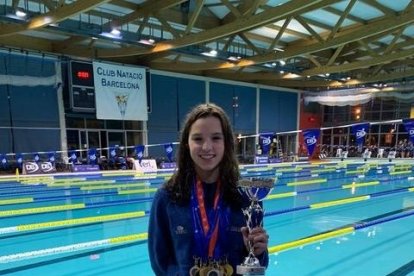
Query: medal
228	269
196	268
214	269
204	270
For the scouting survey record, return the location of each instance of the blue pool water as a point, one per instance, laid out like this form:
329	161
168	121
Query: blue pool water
96	224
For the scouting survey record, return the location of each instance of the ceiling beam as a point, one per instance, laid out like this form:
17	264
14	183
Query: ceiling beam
57	15
360	64
238	25
144	10
300	49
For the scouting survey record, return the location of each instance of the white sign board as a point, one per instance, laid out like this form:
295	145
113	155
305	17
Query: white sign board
120	92
146	166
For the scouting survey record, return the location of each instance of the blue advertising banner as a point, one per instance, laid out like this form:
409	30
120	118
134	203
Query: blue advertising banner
139	151
51	157
92	156
112	154
73	158
19	159
310	137
265	139
169	151
409	127
36	157
360	131
168	165
86	168
261	159
3	160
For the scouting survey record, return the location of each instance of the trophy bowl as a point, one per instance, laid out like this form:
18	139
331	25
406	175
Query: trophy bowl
256	189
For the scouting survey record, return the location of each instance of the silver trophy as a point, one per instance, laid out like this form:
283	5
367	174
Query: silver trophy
256	189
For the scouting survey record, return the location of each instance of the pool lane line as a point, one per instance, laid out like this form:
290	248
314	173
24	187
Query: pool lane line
47	209
307	182
71	222
124	192
341	231
140	191
128	239
16	200
59	208
339	201
73	247
88	253
400	172
309	240
339	187
36	190
115	186
38	210
403	270
363	184
21	200
10	201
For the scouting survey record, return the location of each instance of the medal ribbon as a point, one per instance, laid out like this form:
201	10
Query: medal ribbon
209	223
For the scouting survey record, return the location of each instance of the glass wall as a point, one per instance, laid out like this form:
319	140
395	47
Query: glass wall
85	133
386	130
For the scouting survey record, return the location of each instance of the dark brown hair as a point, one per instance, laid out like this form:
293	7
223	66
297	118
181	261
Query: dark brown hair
179	186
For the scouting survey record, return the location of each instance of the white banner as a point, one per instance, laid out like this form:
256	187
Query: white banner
146	166
120	92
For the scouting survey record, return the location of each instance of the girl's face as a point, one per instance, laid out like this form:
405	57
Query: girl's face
206	144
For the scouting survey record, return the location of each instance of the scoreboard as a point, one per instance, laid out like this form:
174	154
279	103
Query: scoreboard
81	86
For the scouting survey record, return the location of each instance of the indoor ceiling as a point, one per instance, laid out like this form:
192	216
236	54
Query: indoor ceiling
305	44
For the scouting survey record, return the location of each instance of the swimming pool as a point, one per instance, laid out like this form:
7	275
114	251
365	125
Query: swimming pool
350	218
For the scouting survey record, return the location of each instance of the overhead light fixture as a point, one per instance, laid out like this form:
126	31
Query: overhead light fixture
21	14
149	41
211	53
278	49
234	58
115	32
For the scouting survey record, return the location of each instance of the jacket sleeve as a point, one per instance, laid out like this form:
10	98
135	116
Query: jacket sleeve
159	237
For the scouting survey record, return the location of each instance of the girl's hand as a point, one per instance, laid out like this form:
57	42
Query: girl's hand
258	239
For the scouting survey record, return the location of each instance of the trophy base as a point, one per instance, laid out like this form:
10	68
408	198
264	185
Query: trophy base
250	270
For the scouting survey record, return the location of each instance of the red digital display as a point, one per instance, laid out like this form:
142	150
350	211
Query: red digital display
83	75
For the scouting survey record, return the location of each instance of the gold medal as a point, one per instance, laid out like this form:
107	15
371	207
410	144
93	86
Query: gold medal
228	270
204	270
